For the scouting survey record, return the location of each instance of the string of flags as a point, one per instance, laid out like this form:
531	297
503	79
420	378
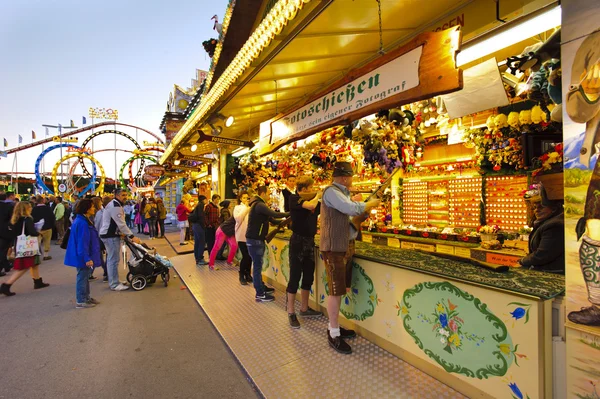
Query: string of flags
34	135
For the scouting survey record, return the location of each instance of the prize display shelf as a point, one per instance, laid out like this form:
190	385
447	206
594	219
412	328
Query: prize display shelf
504	202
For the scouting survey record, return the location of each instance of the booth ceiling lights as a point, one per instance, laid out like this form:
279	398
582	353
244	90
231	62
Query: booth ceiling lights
228	120
514	34
282	12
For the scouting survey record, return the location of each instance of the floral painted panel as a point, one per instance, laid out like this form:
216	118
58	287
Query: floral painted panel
361	301
457	330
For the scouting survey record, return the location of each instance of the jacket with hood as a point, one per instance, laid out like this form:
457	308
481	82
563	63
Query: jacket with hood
113	221
259	217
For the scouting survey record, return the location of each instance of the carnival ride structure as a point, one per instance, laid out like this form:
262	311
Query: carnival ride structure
71	187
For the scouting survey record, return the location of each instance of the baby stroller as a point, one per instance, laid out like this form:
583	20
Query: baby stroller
145	266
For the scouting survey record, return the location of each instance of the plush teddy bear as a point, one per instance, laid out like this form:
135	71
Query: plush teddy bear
525	117
491	125
537	115
513	120
501	121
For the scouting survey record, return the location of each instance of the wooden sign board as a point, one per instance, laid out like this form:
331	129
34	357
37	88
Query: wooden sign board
500	259
224	140
435	55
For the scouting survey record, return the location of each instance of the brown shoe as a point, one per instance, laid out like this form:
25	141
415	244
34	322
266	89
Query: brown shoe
47	257
339	344
587	316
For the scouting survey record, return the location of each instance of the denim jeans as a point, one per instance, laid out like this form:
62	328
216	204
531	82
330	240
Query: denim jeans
199	242
113	253
82	288
256	248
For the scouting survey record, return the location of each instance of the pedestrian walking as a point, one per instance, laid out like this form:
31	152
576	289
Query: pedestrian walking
162	215
7	204
83	252
22	223
128	209
42	211
212	221
198	222
151	213
59	216
182	212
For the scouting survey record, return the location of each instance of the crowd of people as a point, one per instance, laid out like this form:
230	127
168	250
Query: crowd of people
99	224
214	227
90	234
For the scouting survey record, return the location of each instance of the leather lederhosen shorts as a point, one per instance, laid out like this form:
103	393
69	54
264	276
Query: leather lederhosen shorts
338	266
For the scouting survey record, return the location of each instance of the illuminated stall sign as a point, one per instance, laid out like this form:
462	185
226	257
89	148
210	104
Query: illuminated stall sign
103	113
423	68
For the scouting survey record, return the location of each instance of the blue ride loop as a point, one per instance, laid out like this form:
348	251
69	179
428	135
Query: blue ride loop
40	181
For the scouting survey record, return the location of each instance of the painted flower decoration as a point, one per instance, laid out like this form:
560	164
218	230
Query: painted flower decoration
515	390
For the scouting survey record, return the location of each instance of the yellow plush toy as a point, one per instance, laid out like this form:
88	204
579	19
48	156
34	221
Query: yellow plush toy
537	115
513	120
525	117
490	123
501	121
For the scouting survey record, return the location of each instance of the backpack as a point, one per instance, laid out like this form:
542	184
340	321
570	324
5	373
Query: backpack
153	212
228	227
193	217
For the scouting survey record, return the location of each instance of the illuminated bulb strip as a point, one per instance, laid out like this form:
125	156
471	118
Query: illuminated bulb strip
219	48
263	35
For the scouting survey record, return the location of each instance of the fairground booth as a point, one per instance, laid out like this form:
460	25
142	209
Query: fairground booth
466	118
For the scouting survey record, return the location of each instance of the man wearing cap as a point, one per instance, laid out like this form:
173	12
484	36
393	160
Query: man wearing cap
337	247
113	226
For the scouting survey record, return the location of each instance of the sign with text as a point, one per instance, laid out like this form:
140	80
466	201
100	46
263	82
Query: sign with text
103	113
224	140
154	170
394	77
500	259
420	69
58	139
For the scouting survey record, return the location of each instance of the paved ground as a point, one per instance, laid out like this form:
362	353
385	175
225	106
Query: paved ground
150	344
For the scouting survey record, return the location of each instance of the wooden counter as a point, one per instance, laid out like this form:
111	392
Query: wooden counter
474	329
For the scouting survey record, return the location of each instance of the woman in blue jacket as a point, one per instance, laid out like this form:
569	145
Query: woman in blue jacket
83	251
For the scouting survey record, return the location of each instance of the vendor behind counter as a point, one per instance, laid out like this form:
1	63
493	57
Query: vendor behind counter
547	240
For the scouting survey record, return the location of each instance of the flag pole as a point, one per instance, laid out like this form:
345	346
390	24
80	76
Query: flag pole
93	181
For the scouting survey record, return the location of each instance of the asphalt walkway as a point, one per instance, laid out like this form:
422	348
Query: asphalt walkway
155	343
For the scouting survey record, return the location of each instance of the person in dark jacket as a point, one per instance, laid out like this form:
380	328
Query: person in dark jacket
225	214
83	251
212	221
258	227
7	205
42	211
22	223
547	240
198	222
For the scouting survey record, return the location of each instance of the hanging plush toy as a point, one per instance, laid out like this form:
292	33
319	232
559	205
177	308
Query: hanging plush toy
500	121
513	120
537	115
525	117
407	155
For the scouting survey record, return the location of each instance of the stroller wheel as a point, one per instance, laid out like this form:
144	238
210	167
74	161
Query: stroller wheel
138	282
129	277
165	278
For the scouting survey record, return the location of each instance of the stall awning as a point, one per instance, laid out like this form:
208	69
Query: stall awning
302	47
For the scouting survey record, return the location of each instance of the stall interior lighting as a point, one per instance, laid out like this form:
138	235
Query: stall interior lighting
194	147
519	32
